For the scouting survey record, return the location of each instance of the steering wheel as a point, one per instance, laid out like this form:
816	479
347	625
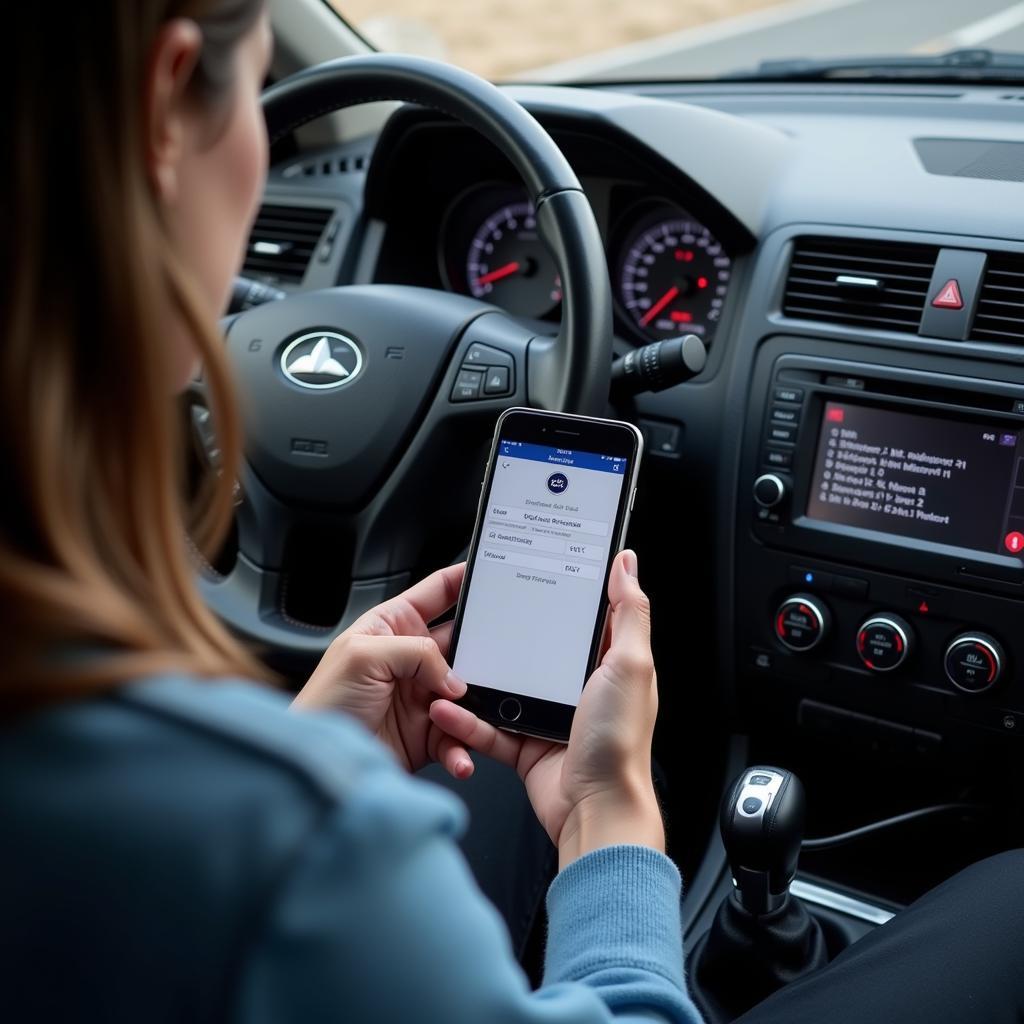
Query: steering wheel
358	402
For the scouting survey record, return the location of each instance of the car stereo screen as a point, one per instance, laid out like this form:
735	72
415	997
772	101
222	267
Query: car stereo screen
940	480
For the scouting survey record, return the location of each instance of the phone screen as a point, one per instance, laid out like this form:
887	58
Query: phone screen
537	579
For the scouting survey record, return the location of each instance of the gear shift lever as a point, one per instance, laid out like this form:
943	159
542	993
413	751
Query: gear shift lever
762	822
761	938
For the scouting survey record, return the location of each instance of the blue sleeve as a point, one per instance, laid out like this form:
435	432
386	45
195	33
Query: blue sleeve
378	919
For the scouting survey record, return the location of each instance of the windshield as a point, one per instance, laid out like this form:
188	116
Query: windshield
577	40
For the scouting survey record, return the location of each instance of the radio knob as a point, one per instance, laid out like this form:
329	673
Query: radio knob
884	642
769	490
974	662
802	622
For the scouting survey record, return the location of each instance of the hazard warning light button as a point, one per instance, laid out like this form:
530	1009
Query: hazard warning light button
949	296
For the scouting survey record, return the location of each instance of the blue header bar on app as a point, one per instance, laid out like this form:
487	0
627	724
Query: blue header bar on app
562	457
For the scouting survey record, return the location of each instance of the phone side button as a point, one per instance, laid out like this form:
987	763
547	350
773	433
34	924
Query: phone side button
510	709
632	500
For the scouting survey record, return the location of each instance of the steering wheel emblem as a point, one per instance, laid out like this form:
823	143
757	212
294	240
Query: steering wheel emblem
322	360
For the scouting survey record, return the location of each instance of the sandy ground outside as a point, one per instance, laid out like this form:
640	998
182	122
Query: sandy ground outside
498	38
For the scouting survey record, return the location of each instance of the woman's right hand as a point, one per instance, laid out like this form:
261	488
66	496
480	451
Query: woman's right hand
597	790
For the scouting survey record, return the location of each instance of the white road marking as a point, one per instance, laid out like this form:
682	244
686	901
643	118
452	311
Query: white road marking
977	32
679	42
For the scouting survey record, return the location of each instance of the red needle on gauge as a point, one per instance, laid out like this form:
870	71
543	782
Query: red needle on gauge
497	275
658	306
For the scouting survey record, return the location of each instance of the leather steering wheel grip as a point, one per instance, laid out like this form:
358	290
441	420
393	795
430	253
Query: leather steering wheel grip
570	372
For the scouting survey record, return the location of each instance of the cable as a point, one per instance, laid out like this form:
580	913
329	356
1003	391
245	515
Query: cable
827	842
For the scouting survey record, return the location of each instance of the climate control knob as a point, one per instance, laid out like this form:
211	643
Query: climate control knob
974	662
769	490
884	642
802	622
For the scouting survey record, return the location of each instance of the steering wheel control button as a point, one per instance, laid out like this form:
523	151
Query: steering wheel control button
484	355
496	381
467	386
974	662
802	622
884	642
769	490
752	805
510	709
492	369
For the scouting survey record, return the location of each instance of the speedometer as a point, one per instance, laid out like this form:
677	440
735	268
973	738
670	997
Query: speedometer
491	249
509	264
673	276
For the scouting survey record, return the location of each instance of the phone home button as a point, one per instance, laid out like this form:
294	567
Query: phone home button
510	709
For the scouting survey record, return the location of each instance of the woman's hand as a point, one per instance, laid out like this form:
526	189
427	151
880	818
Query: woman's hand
388	667
596	791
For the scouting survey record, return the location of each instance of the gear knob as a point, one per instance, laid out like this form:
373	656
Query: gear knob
762	823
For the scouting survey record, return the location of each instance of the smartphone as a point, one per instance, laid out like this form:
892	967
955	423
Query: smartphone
554	508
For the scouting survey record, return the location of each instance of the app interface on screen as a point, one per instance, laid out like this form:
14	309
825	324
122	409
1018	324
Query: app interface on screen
532	605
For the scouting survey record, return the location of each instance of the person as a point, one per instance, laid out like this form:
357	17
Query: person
179	844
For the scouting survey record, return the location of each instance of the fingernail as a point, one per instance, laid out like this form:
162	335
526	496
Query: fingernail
463	768
629	562
454	684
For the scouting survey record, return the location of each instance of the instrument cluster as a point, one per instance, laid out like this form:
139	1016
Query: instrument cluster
670	274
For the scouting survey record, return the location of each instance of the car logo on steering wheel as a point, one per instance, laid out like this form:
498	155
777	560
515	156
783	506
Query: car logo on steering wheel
322	360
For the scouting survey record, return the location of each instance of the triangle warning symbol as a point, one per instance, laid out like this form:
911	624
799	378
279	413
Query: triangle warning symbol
949	296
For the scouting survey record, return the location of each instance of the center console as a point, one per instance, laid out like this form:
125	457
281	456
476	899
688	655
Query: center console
880	542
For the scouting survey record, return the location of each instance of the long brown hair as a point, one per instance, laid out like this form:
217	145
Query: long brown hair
96	584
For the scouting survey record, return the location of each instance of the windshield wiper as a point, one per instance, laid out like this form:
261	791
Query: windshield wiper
956	65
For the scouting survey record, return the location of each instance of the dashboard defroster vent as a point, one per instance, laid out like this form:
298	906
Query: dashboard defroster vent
873	284
283	241
328	166
1000	312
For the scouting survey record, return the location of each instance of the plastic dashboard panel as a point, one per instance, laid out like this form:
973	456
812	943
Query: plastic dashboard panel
767	340
412	194
781	161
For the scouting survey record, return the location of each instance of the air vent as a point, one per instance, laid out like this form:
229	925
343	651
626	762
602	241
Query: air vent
880	285
1000	313
283	241
327	166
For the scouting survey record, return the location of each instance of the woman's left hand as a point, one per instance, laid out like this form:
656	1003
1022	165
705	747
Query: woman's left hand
389	666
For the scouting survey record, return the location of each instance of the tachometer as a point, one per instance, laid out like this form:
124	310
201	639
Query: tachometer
509	265
673	276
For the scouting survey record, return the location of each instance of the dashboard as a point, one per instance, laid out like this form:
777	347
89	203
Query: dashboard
852	290
465	225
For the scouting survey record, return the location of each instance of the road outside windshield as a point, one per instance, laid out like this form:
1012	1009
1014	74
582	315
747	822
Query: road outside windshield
564	40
